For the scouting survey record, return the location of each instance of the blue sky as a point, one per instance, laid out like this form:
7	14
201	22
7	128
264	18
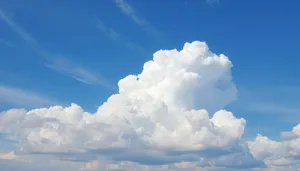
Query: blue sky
62	52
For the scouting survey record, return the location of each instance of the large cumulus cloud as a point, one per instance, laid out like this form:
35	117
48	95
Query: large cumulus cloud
159	116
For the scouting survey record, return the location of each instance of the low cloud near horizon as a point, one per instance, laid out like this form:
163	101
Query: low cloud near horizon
170	116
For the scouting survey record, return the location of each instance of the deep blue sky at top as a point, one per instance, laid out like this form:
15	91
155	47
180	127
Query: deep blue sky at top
261	38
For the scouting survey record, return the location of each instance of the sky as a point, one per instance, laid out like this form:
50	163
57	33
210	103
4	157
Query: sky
149	85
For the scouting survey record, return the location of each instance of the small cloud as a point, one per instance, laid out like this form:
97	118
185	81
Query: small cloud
7	156
281	154
23	98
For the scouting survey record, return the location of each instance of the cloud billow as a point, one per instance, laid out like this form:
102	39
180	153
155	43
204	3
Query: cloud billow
159	116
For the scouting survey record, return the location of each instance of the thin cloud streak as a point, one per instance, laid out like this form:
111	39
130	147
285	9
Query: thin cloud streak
270	101
110	32
133	15
115	36
130	12
9	44
211	2
274	108
289	113
79	73
23	98
27	37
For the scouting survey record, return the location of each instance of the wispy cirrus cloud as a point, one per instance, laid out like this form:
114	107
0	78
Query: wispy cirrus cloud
287	113
110	32
7	43
128	10
271	101
115	36
53	61
78	73
211	2
23	98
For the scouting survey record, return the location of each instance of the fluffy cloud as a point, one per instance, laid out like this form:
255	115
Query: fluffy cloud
284	154
160	116
7	156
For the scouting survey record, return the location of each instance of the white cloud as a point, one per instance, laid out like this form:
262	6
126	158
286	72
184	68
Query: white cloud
281	154
157	118
128	10
54	61
7	156
37	163
48	164
23	98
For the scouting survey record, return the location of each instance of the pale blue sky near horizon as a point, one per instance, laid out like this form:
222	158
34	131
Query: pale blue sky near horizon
62	52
